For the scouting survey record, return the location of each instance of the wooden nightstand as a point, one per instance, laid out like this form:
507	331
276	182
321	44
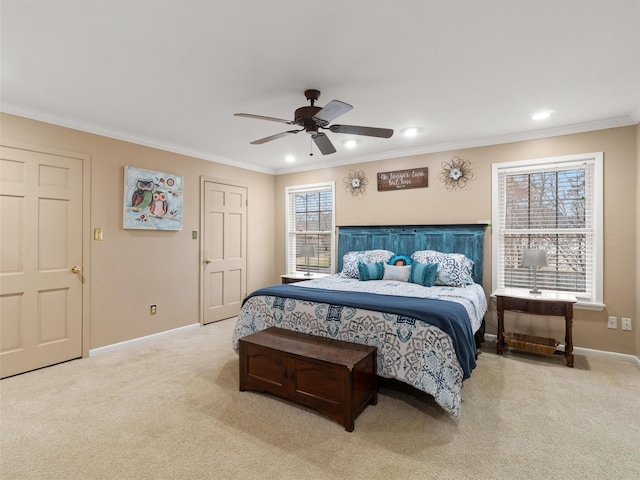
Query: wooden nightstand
300	277
546	303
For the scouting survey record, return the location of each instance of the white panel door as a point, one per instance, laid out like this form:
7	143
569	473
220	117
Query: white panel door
40	260
224	253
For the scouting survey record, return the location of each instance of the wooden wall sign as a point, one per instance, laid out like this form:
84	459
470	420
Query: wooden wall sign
402	179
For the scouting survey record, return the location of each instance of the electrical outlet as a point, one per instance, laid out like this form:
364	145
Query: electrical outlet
152	310
626	323
612	322
194	234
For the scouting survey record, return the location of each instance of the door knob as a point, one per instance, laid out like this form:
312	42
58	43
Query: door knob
75	269
207	260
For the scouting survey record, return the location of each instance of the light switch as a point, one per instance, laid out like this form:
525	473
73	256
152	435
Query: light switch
97	234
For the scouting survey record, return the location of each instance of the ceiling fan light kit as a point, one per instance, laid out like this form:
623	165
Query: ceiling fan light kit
312	118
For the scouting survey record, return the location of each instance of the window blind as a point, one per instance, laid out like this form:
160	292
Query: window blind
310	220
550	207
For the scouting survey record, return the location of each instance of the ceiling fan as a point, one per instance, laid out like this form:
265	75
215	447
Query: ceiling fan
312	118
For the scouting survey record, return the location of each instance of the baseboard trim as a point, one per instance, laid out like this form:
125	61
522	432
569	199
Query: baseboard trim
127	343
586	351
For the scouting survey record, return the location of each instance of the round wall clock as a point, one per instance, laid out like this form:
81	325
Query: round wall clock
356	182
456	173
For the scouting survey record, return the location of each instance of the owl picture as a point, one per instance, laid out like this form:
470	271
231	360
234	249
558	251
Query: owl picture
152	200
143	195
159	205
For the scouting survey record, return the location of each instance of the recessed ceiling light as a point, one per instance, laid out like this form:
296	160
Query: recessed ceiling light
290	158
351	143
410	132
541	115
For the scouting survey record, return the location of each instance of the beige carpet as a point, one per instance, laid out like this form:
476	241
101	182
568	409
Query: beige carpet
170	408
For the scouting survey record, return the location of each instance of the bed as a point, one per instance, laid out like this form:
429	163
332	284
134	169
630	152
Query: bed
426	326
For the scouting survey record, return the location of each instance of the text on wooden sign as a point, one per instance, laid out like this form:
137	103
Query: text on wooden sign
402	179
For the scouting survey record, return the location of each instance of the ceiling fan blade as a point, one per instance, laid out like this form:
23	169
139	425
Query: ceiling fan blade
261	117
274	137
331	111
323	143
368	131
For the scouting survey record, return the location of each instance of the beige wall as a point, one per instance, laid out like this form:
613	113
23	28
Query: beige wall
636	321
437	205
132	269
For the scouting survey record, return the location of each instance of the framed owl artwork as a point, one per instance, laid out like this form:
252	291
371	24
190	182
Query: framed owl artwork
152	200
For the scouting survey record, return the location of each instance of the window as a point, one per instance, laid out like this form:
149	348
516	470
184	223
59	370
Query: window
553	204
310	221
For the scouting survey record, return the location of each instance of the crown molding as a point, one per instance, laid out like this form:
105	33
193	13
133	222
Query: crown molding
623	121
127	137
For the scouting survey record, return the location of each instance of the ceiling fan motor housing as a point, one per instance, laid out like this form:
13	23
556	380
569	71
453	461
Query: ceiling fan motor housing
304	118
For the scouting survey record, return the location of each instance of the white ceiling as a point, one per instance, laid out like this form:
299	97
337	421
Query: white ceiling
172	73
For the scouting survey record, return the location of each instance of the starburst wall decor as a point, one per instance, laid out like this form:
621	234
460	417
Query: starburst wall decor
456	173
356	182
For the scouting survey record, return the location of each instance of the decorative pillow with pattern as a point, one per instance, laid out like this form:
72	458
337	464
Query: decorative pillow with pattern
454	269
350	261
399	273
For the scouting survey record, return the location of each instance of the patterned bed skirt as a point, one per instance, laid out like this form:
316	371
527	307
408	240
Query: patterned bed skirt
409	350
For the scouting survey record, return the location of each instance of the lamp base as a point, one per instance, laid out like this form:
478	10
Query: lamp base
535	290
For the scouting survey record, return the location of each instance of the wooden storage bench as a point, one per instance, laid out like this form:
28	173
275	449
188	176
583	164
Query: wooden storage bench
335	378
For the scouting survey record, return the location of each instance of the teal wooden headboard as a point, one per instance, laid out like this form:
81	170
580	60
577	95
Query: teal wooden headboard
465	239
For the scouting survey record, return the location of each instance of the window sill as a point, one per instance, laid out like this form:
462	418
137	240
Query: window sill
589	306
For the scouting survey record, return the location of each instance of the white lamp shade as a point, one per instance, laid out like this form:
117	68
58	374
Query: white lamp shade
307	250
534	258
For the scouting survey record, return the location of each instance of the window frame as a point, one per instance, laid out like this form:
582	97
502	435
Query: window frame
595	300
308	188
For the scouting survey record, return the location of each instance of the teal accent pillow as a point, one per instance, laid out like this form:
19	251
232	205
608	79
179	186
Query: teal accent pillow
424	273
370	271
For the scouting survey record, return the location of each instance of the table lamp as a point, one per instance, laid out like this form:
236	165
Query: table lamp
307	251
535	259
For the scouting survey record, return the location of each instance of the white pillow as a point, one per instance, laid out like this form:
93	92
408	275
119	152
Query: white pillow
397	272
